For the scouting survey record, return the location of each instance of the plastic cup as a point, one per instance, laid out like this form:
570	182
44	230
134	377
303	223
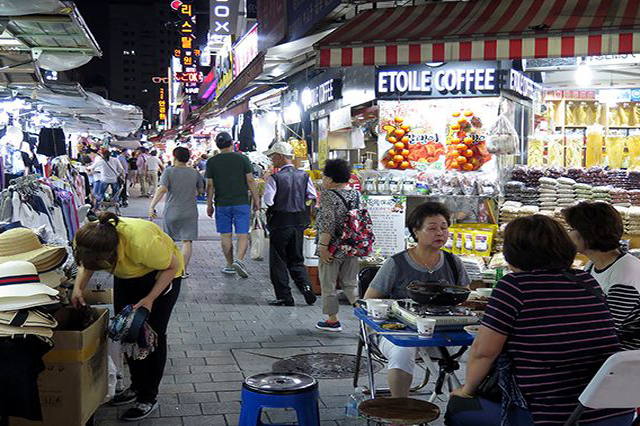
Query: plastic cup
426	327
379	310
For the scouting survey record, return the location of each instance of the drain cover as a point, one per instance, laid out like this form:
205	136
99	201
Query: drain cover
323	366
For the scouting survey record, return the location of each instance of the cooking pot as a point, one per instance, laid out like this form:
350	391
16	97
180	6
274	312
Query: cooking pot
436	293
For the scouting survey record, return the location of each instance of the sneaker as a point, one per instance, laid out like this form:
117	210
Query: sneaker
309	296
139	411
240	269
125	397
185	275
329	326
228	270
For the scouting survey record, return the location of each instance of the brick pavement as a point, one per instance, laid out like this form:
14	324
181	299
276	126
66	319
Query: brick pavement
222	330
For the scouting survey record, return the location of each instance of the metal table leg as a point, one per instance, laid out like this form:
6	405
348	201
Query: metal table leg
367	348
447	366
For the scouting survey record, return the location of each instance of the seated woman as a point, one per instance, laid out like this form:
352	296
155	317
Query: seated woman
552	326
429	226
596	231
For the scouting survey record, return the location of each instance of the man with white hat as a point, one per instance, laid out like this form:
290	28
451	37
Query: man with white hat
286	195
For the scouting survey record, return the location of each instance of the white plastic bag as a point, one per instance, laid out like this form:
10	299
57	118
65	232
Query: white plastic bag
503	138
258	238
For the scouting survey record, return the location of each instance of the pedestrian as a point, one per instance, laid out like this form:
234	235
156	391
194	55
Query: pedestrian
123	158
336	201
182	184
147	267
154	167
201	164
230	179
142	171
107	171
133	169
286	194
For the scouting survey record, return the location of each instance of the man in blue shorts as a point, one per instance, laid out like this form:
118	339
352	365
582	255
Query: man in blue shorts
230	177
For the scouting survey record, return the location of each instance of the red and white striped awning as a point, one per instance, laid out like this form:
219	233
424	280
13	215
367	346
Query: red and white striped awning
479	30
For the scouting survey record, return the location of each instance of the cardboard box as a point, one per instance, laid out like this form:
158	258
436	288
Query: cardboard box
99	296
74	382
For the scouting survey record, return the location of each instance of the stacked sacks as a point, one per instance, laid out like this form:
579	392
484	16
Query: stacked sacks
633	180
509	211
513	190
566	193
583	191
620	197
634	197
602	193
633	221
530	196
548	193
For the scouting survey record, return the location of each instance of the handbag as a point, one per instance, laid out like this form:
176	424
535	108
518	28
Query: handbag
258	238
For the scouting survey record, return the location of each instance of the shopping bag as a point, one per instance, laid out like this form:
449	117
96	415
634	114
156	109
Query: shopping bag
258	238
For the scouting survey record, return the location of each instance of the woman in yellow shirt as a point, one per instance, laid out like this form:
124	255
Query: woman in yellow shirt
147	266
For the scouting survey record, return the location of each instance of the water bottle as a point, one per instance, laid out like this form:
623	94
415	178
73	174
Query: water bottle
354	401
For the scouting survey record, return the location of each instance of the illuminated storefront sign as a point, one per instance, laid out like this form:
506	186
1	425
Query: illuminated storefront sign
162	105
188	77
224	71
245	50
186	49
223	22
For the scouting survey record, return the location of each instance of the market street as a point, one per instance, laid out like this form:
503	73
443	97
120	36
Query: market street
222	330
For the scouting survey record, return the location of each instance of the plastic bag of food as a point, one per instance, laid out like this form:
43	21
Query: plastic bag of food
482	243
535	151
595	143
503	138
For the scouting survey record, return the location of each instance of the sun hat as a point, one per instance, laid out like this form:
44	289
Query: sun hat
23	244
282	148
19	278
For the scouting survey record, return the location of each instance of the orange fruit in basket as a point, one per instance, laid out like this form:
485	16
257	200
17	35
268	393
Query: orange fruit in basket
399	119
405	139
468	153
456	114
455	141
399	132
391	152
405	152
405	165
468	113
454	153
454	164
461	160
462	121
391	165
467	167
399	145
388	128
468	140
405	127
398	158
455	127
392	139
461	147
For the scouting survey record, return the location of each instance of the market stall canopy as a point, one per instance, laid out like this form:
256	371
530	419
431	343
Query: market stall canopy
126	143
484	30
53	31
17	69
80	110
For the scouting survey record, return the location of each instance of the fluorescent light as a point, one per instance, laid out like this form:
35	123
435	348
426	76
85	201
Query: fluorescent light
583	76
306	97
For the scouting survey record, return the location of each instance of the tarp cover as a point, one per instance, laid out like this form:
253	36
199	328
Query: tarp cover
30	7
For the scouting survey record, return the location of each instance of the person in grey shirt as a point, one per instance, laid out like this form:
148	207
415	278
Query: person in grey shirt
182	184
429	226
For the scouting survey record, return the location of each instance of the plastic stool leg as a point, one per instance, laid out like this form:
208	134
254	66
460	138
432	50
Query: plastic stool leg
250	414
308	415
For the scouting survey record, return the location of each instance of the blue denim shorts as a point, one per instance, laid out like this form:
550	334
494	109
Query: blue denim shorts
229	218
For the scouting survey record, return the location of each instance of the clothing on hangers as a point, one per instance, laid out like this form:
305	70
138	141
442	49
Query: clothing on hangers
52	142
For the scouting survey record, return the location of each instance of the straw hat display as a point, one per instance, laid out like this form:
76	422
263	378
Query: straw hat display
20	287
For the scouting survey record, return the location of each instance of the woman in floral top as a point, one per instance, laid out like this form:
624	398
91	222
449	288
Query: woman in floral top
330	220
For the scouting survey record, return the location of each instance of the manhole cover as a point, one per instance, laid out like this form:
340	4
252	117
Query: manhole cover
323	366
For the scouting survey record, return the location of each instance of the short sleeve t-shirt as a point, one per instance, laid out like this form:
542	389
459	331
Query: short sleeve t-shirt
143	248
229	173
393	277
620	282
558	335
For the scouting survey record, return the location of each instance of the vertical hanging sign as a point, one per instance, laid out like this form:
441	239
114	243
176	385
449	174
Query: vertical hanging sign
223	15
162	105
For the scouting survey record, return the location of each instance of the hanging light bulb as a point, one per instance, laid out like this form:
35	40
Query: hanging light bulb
306	97
584	76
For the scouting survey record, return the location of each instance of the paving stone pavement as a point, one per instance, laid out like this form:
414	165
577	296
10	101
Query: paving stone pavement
222	330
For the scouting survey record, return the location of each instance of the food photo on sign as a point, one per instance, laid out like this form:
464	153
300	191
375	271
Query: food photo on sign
436	134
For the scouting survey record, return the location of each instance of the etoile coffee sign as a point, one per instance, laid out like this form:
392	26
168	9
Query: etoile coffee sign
446	80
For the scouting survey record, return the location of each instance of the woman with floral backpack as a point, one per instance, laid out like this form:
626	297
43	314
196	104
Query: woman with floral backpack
344	235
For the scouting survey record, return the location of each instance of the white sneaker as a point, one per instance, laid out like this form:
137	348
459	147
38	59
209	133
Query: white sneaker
227	270
241	269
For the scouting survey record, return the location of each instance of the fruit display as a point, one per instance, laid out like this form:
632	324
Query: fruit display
397	156
466	146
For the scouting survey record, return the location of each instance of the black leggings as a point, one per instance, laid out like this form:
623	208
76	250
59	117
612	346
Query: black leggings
147	373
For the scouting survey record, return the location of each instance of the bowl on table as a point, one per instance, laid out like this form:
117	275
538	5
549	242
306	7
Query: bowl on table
472	329
484	291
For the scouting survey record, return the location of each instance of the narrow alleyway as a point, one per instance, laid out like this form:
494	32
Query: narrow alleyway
222	330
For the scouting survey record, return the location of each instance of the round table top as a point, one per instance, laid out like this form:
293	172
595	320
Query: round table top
404	411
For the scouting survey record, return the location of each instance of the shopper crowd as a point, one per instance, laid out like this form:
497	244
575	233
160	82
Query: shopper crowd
546	330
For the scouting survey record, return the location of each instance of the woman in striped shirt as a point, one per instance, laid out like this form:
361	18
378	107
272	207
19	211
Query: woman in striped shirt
596	229
553	327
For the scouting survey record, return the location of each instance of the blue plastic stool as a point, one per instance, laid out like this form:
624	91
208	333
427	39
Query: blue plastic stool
280	390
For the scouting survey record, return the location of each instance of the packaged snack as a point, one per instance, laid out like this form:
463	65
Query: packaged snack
409	186
595	143
448	246
633	144
483	241
555	150
573	149
394	185
535	151
615	151
457	241
370	186
468	238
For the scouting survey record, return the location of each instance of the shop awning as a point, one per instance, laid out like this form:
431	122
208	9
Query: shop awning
484	30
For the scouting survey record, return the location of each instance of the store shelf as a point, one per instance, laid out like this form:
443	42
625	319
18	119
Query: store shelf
474	197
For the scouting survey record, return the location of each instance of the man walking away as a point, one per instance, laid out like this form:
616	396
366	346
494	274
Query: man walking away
230	178
123	158
286	194
154	166
141	162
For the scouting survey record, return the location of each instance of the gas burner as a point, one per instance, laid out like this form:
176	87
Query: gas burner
447	317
